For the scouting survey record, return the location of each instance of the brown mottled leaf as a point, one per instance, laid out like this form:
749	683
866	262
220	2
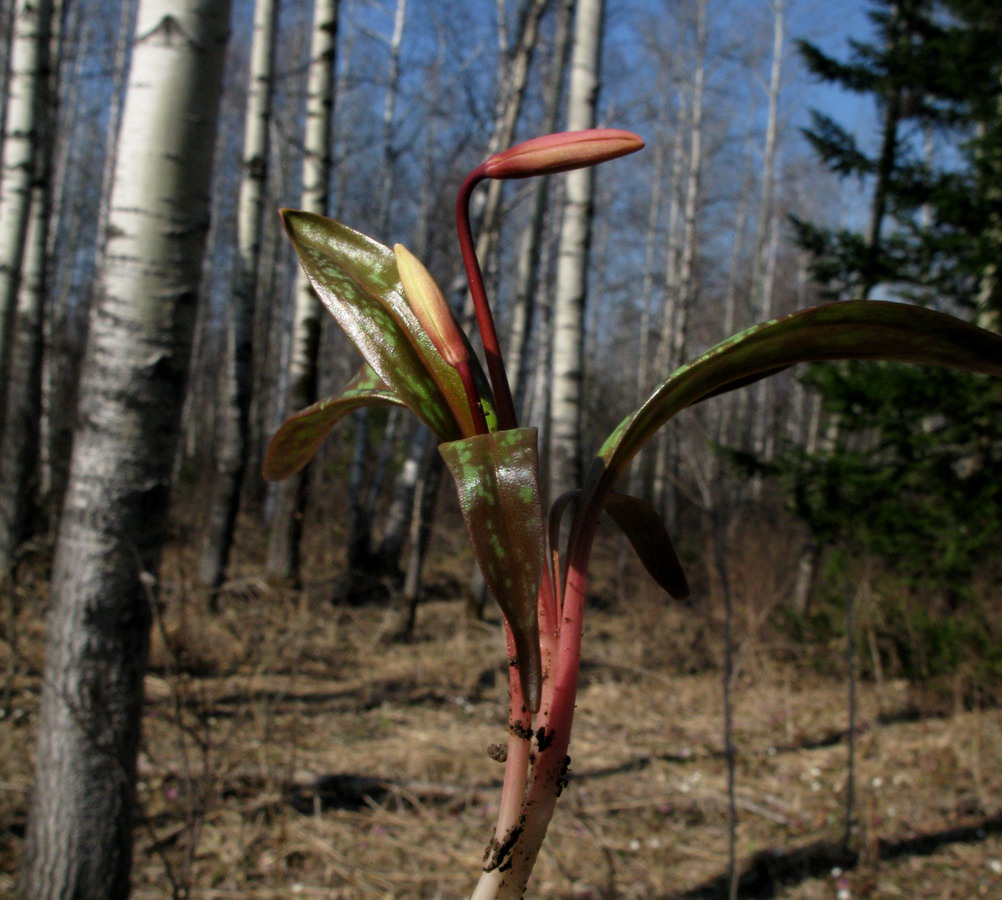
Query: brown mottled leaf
357	281
299	438
852	329
497	478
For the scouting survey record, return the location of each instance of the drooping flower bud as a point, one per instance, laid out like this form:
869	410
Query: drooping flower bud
426	300
562	152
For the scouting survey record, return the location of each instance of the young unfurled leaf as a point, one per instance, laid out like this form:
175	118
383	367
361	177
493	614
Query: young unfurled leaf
497	479
425	298
356	278
299	438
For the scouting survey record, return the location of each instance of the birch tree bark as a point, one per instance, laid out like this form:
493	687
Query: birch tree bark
364	497
530	250
21	435
287	523
567	364
515	62
233	447
682	286
79	832
766	243
26	101
21	406
66	322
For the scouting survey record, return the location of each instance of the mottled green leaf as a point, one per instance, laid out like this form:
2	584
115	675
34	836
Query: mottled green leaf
356	279
860	329
299	438
497	478
646	531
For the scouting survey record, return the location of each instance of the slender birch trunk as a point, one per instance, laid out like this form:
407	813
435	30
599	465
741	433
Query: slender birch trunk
364	497
681	296
687	276
233	447
425	498
643	379
567	365
20	438
513	77
21	405
67	326
389	120
530	252
409	519
731	404
766	241
79	832
287	522
513	72
26	103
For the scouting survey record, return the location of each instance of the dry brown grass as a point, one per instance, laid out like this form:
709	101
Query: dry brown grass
249	707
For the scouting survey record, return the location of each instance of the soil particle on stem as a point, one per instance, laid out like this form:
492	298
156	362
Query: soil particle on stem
497	855
565	776
520	731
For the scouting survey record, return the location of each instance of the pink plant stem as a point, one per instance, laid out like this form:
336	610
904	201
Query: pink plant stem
561	645
485	320
516	769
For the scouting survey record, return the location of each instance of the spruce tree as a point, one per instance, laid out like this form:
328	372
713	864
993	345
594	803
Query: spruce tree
889	488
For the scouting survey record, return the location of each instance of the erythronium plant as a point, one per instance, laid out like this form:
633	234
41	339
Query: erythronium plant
416	356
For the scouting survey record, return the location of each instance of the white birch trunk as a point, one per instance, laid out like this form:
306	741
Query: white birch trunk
681	292
233	446
20	438
389	119
29	65
61	377
766	246
79	831
406	507
567	363
513	72
687	275
530	250
286	525
21	403
642	385
364	497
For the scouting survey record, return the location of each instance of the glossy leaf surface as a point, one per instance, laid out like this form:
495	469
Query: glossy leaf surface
299	438
858	329
496	477
356	279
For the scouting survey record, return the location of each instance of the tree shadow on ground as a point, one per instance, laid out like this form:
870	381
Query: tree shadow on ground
771	871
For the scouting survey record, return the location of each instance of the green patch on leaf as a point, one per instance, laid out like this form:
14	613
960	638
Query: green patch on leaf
356	279
497	478
299	438
857	329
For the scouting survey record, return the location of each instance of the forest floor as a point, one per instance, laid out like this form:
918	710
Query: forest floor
293	748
